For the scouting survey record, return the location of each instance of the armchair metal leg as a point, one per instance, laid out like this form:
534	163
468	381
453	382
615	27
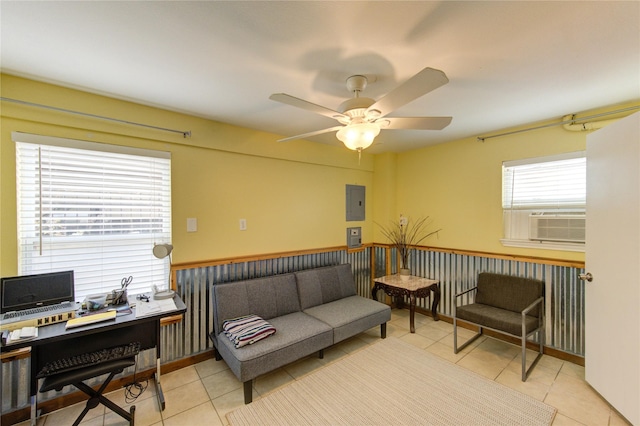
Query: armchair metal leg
527	371
457	349
525	336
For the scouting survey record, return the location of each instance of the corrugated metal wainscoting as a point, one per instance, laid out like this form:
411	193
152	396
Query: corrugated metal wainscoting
457	272
564	304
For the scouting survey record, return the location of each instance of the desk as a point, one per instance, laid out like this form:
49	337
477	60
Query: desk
413	287
54	342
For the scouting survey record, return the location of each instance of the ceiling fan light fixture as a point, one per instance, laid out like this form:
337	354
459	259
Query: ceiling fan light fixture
362	118
373	114
358	136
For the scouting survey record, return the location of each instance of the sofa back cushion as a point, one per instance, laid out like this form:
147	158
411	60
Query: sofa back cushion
508	292
267	298
323	285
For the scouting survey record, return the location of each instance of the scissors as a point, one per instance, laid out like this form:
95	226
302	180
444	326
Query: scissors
126	282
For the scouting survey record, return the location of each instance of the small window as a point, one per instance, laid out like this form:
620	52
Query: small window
544	201
92	208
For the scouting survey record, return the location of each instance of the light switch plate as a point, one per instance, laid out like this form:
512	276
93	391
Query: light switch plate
192	224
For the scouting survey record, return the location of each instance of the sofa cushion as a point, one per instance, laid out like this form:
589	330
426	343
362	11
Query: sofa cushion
267	298
324	285
298	335
351	315
508	292
247	330
496	318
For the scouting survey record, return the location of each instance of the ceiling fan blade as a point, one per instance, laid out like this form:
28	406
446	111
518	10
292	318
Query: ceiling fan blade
306	135
416	123
301	103
420	84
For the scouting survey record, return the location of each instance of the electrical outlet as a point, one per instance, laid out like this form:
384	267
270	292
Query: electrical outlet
243	224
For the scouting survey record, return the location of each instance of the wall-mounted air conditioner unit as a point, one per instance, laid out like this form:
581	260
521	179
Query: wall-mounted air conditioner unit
557	227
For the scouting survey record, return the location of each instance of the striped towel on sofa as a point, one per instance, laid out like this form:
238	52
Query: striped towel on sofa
246	330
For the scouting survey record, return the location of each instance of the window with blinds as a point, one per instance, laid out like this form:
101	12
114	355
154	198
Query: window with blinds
544	201
96	209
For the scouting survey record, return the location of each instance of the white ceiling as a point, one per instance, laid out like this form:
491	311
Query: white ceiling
509	63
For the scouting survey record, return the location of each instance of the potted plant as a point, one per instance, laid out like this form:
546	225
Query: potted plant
404	236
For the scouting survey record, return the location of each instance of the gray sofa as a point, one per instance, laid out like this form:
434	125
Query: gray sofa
310	310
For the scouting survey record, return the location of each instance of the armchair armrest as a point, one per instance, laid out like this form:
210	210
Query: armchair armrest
455	300
524	329
531	306
466	291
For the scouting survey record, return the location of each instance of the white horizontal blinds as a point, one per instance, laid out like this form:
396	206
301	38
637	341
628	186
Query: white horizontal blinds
97	213
545	183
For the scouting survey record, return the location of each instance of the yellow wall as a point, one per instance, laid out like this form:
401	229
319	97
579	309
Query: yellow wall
385	187
459	184
291	194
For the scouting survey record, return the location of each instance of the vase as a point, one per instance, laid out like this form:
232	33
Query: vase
405	274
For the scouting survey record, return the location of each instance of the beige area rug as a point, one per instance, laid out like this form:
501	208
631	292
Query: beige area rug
393	383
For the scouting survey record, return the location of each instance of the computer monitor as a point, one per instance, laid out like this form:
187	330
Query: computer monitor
32	291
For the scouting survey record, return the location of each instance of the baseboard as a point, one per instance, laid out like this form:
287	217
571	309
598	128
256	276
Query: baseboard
54	404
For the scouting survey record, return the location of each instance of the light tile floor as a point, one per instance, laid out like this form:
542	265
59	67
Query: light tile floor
203	393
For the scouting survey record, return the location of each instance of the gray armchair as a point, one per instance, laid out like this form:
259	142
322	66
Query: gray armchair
507	304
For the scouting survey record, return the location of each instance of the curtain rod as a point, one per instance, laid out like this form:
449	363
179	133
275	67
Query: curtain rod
483	138
185	134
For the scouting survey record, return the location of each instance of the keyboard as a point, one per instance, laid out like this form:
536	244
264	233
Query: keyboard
89	359
38	311
37	317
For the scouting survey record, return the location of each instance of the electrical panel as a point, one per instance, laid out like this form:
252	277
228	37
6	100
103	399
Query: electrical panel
354	237
355	202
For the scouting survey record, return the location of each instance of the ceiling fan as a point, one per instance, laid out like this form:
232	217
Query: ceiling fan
361	119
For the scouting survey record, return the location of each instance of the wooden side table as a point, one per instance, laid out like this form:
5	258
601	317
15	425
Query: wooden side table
413	287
